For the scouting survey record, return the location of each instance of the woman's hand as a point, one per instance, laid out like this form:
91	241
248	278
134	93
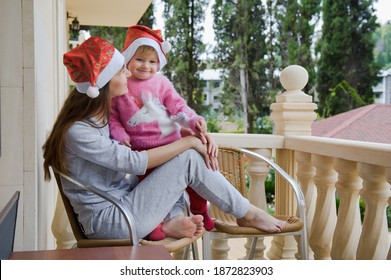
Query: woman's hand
208	151
213	151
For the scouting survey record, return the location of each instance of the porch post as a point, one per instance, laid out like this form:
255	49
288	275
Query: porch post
292	114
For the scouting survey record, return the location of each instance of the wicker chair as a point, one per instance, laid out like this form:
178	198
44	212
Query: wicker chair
171	244
232	166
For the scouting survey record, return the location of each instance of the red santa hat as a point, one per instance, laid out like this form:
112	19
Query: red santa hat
139	35
93	64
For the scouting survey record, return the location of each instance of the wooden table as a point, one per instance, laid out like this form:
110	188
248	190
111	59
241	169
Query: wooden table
97	253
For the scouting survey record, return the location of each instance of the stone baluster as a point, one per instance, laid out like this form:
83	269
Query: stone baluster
284	247
292	114
220	249
305	177
323	225
348	227
258	171
374	241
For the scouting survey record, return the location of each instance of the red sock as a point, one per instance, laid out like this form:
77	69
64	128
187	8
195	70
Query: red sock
198	206
157	234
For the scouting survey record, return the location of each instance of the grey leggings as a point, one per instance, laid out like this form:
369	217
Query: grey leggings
154	197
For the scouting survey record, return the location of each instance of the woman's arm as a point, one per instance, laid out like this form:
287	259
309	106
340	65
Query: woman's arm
160	155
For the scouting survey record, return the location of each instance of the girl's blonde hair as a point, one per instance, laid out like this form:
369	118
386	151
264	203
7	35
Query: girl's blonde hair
146	49
77	107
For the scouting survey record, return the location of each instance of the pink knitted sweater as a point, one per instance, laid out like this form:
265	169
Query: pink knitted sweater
150	114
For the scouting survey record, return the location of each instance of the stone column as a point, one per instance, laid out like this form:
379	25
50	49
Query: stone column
305	177
348	227
257	171
292	114
325	216
374	240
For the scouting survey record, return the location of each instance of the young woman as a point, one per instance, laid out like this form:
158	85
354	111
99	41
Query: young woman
79	145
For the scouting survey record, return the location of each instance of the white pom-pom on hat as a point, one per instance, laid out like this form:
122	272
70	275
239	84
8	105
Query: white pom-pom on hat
92	92
166	46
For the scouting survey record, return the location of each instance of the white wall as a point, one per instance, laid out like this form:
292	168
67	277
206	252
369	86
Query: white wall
32	86
11	94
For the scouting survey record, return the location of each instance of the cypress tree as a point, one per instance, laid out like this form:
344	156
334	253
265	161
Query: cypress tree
346	53
296	24
241	49
183	29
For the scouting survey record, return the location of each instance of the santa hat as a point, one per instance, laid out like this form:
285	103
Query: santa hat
139	35
93	64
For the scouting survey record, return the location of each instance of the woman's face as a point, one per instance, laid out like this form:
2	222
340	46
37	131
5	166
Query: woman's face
119	83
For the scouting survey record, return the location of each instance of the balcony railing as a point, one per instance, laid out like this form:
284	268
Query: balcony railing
326	169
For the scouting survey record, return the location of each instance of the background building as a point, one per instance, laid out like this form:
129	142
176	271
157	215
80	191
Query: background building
213	86
383	90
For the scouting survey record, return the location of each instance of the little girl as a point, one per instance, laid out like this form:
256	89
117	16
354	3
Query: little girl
152	113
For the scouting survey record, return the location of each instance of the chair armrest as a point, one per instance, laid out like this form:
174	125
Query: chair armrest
116	202
292	182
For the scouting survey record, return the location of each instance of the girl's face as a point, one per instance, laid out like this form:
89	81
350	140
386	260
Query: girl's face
143	65
119	83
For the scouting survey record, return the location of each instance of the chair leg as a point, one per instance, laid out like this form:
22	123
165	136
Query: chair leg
304	245
194	247
186	251
206	247
252	249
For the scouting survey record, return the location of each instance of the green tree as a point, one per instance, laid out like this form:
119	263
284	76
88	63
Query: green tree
241	49
343	97
184	30
273	57
346	50
296	21
383	46
115	35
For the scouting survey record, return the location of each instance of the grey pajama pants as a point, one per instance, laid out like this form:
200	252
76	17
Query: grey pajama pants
156	195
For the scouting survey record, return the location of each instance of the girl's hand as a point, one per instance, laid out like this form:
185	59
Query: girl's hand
201	126
127	143
213	148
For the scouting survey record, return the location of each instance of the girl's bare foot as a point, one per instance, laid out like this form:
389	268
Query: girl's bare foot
259	219
181	226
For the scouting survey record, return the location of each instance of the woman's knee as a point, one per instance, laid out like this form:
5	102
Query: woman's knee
190	155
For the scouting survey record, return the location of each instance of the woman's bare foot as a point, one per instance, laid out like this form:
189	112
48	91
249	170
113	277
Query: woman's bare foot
259	219
181	226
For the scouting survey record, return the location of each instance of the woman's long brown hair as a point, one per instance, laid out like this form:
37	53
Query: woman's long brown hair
77	107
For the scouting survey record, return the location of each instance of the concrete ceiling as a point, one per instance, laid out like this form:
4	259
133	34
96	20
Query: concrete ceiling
107	12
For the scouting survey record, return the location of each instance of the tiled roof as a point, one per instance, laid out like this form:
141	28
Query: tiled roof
371	123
